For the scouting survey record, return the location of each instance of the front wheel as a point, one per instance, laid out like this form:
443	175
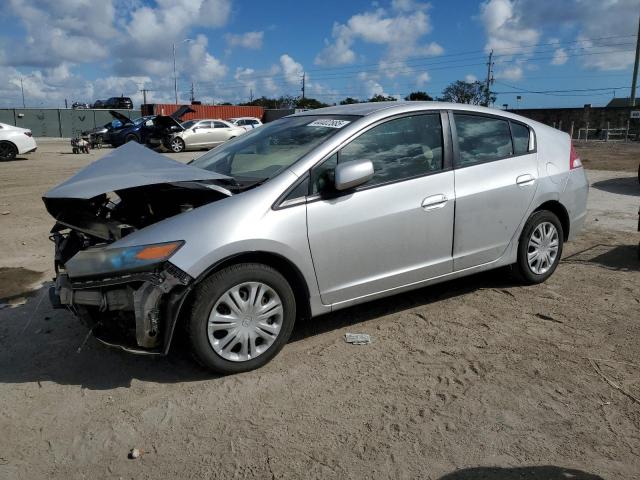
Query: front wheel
540	247
131	138
176	145
241	317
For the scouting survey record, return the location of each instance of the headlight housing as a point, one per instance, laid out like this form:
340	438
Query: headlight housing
104	261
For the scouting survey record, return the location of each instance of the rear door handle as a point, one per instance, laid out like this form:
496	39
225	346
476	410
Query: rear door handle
525	180
434	201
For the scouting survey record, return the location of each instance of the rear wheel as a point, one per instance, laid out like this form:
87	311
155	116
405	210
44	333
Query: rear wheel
176	145
241	317
540	247
8	151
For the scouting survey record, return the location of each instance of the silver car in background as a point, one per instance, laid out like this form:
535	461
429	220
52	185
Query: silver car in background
203	134
306	215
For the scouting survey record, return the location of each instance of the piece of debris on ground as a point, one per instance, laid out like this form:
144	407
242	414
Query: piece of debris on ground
357	338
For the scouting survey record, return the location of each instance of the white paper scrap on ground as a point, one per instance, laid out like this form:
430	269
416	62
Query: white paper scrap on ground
357	338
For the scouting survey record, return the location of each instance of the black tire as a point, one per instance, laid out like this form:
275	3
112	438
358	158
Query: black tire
8	151
176	145
207	294
131	138
522	269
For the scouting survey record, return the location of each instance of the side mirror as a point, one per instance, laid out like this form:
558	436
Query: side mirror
353	174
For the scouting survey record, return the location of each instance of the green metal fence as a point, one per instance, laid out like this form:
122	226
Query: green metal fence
59	122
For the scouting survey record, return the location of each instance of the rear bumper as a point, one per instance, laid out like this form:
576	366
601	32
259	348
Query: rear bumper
26	145
135	312
574	198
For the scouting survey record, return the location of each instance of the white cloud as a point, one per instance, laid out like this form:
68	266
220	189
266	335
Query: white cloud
400	30
560	57
291	70
506	32
61	31
422	79
201	65
250	40
592	23
470	78
512	73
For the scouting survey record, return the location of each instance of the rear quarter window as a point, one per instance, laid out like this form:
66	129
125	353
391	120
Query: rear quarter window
481	139
520	138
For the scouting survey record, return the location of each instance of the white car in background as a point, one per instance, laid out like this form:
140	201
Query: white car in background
248	123
203	134
15	141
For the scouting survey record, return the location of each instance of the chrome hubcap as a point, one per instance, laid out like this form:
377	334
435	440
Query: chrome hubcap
542	250
176	145
245	321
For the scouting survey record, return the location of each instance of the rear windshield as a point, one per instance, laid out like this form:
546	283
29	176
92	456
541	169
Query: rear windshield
264	152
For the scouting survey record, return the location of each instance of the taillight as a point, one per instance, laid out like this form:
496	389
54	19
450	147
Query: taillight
574	159
28	133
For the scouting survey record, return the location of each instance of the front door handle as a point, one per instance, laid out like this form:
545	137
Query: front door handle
434	201
525	180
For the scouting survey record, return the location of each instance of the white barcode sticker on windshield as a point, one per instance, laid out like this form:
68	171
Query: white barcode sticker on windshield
329	123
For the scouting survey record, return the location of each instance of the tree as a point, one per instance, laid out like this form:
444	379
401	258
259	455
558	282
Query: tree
263	102
309	103
382	98
418	96
460	91
349	101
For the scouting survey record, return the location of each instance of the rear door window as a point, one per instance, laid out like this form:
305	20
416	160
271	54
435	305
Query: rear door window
520	138
481	139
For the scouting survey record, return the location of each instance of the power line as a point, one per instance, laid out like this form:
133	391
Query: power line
432	66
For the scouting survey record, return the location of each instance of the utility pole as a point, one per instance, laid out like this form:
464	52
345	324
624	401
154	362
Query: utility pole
175	78
193	95
304	77
489	80
144	95
634	80
250	95
22	88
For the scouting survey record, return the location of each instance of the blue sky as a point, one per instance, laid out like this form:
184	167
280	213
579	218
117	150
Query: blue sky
575	51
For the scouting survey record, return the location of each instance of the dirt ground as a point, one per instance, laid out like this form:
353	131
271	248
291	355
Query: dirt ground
617	156
478	378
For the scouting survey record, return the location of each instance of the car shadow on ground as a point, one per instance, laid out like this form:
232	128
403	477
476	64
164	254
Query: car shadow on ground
613	257
14	159
543	472
500	279
40	344
621	186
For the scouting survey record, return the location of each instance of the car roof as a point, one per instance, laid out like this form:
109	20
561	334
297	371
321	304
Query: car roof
398	107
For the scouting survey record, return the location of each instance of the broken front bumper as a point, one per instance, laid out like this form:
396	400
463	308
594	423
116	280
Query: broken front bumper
136	312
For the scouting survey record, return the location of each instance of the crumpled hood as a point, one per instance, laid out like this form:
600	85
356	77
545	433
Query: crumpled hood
128	166
123	119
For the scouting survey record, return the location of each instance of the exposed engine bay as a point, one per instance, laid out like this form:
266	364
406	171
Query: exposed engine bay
128	296
133	309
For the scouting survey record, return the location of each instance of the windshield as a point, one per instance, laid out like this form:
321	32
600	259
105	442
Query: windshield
138	121
188	124
266	151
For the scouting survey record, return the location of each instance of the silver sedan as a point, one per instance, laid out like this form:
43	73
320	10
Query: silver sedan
203	134
307	215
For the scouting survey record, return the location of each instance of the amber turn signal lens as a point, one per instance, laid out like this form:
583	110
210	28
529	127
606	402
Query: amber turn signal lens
158	252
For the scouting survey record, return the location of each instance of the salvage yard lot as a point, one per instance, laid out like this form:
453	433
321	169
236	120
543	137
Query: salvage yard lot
473	373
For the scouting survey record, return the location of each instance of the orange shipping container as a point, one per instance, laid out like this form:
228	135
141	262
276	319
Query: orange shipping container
204	111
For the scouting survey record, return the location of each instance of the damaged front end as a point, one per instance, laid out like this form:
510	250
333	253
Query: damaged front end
136	312
129	296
